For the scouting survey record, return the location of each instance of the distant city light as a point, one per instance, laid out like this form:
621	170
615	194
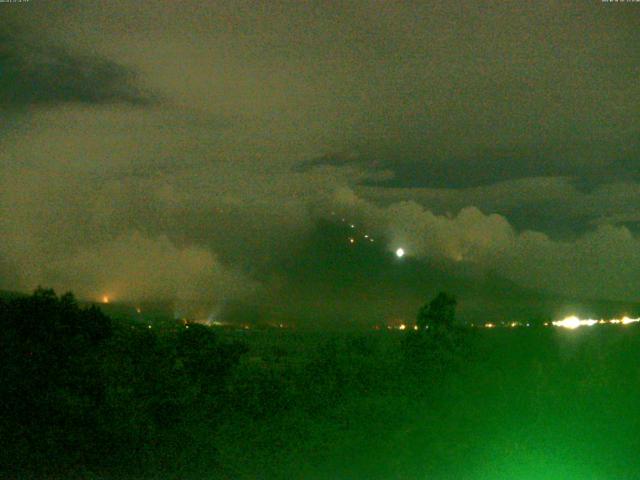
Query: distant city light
352	240
569	322
400	252
574	322
105	299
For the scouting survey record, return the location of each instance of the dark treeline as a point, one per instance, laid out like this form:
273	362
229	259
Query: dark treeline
83	394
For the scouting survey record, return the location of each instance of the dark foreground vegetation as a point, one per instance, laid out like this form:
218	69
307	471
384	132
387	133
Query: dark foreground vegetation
84	396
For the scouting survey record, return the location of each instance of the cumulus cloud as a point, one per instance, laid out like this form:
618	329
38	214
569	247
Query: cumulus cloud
604	262
557	205
136	267
74	190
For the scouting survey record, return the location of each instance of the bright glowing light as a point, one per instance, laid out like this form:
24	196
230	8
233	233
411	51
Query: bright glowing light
138	310
569	322
402	327
105	299
489	325
574	322
352	240
400	252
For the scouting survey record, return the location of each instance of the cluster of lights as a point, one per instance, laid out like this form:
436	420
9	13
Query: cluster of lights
400	252
352	239
509	325
401	326
574	322
570	323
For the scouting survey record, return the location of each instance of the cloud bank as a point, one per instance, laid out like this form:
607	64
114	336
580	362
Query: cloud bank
603	262
192	151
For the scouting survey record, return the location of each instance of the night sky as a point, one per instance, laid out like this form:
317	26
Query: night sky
206	153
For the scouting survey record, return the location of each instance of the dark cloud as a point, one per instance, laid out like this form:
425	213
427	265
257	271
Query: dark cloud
561	206
34	72
589	164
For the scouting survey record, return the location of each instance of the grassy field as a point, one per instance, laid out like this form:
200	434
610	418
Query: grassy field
524	404
88	397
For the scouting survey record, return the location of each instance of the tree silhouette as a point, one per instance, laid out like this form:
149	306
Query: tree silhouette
437	344
438	314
